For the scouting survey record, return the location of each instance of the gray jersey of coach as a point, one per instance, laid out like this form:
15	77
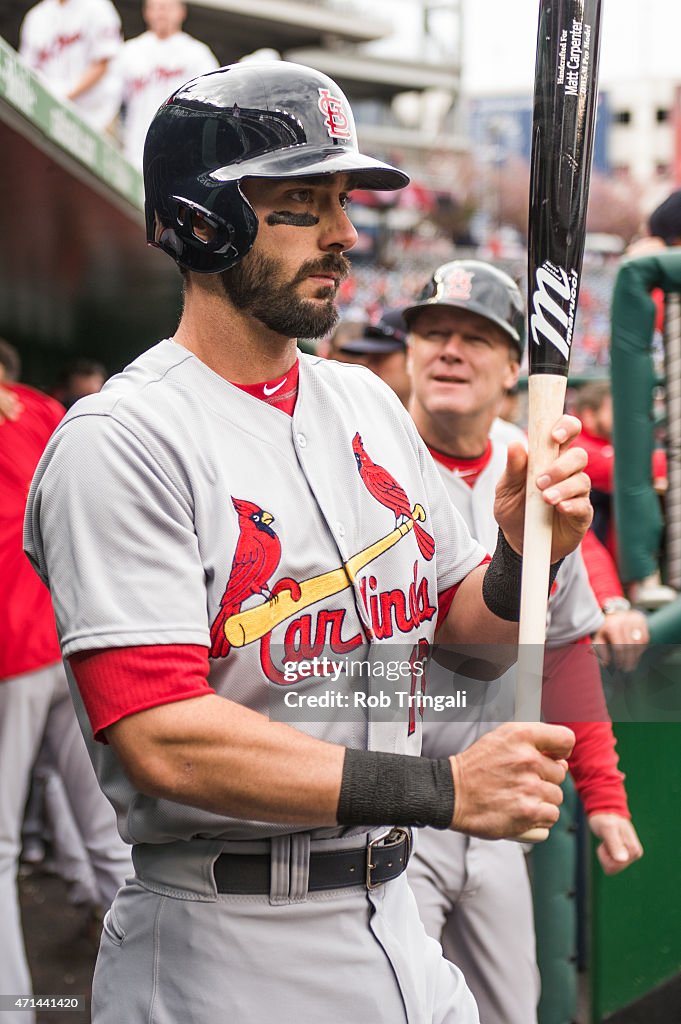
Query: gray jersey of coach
474	895
573	610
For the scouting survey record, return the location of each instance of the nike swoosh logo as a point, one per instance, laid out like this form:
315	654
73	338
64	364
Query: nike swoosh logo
270	391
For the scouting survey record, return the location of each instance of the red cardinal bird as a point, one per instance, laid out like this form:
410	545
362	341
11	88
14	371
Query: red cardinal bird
386	489
256	558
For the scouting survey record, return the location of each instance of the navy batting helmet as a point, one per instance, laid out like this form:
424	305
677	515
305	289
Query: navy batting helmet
269	120
481	288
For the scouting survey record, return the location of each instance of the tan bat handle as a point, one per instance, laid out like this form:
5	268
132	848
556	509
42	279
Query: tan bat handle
533	835
546	394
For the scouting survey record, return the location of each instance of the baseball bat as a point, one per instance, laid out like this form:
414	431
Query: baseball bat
565	92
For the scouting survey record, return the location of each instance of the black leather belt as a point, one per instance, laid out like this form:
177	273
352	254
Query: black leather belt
381	860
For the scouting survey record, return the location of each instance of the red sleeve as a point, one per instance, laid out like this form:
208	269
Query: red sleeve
658	297
659	465
573	696
122	681
444	600
600	569
601	462
593	766
49	409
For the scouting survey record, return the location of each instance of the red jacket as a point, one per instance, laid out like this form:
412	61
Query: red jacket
28	636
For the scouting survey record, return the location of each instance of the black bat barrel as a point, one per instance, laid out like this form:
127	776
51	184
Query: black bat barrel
562	148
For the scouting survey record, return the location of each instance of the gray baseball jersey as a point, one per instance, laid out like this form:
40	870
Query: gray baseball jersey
573	609
151	495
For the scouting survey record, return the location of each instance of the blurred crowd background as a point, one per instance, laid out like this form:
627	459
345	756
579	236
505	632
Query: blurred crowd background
429	95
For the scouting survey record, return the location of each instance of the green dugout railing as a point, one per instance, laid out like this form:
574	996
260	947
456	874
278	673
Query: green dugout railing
637	506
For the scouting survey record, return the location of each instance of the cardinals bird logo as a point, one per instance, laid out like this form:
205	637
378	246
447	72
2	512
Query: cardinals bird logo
257	555
388	492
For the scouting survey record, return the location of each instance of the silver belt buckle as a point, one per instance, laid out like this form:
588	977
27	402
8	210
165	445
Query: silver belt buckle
397	835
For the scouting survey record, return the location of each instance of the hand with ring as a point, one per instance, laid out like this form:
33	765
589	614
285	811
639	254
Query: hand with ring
622	639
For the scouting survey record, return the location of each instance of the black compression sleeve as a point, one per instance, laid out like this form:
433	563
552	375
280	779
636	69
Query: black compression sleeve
395	789
501	582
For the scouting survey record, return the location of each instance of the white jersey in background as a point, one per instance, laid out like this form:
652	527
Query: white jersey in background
61	40
148	70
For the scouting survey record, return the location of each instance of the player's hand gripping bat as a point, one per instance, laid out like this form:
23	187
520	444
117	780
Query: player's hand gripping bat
565	93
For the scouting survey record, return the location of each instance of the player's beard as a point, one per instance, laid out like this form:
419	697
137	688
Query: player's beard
256	286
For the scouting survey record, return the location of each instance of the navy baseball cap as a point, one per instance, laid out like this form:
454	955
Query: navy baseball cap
389	334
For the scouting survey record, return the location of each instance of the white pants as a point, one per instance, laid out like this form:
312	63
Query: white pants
340	956
474	897
34	708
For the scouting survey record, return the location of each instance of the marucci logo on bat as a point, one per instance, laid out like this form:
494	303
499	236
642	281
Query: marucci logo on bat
554	297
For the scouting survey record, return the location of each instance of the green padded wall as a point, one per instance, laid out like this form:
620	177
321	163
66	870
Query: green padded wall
553	868
636	916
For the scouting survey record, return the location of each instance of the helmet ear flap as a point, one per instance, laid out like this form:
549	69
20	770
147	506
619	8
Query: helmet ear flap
201	239
196	224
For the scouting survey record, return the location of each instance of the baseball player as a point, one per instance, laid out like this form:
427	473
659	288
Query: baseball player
467	336
233	532
152	66
71	43
35	706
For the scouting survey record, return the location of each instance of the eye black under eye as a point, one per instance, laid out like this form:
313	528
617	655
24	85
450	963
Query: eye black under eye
288	217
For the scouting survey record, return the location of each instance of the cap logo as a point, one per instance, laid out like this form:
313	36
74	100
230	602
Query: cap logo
458	285
335	118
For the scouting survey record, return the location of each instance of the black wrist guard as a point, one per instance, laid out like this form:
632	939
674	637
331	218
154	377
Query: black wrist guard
501	582
395	789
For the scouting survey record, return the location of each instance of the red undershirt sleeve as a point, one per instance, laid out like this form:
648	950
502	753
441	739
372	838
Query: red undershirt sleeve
573	696
444	600
122	681
593	765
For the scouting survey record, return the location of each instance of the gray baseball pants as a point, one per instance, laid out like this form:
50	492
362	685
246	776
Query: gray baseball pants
174	949
474	897
36	707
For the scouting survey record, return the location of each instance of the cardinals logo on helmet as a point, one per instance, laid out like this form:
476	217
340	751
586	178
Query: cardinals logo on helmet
386	490
336	120
459	285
